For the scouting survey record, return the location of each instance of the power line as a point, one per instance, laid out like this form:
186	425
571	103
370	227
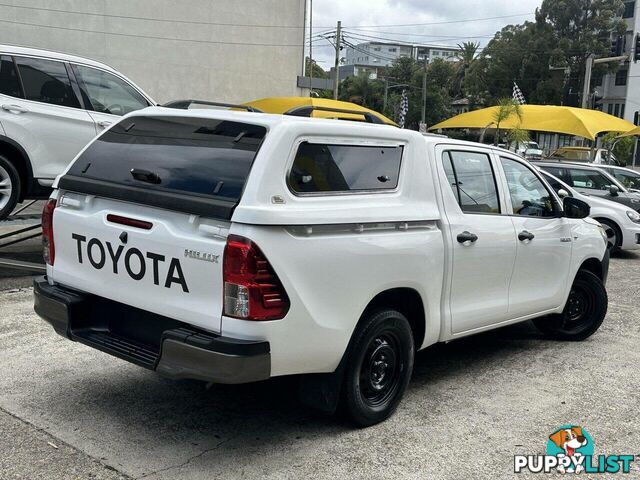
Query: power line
404	34
190	22
440	23
152	37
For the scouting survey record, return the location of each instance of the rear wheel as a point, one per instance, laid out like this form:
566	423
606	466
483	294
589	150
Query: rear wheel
378	368
582	315
614	235
9	187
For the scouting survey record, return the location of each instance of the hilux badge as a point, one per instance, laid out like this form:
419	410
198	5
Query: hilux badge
195	254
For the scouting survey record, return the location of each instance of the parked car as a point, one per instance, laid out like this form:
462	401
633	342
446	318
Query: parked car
233	247
529	150
627	177
600	156
591	180
51	106
621	224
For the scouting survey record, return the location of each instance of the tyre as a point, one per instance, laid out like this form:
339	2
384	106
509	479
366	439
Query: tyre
583	314
614	235
9	187
378	367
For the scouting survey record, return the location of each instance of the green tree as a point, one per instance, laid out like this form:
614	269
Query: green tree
362	90
466	56
318	71
622	148
534	54
506	108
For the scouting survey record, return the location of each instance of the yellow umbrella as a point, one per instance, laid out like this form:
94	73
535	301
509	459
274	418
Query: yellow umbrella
543	118
634	131
283	105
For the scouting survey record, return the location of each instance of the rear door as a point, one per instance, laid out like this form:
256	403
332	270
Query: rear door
48	121
145	211
482	238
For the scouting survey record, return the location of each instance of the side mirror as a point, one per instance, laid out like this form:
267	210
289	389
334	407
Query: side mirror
562	193
614	190
574	208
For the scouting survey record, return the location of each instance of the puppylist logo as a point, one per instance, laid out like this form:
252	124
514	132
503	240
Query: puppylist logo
570	449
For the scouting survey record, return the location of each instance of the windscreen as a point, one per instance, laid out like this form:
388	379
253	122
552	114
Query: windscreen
176	154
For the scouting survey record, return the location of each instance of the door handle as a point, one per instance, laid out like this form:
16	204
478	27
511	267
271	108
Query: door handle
104	123
466	237
524	236
14	108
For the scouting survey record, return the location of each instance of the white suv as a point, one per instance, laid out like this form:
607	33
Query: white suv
51	106
233	247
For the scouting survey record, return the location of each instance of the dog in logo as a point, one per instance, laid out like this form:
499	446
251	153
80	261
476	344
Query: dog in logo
569	440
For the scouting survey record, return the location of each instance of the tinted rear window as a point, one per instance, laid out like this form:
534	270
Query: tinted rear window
321	168
191	155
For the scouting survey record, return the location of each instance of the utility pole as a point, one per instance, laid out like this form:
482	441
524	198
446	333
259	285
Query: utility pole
311	48
336	79
591	61
424	91
586	88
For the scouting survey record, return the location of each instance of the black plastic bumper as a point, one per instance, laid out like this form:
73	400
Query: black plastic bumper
172	348
605	266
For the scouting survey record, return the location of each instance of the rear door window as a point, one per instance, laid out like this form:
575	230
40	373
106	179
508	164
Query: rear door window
471	177
46	81
196	156
9	83
324	168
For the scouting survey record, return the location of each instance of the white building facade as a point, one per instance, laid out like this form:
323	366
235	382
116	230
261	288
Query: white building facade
372	57
206	49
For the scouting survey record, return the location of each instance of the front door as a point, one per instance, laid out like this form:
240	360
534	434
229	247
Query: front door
544	241
482	239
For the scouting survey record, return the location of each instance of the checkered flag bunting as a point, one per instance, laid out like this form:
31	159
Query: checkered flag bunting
517	94
404	108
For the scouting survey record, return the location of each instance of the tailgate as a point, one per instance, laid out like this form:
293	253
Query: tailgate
165	262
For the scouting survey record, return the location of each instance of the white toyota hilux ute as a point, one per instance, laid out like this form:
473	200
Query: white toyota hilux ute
233	247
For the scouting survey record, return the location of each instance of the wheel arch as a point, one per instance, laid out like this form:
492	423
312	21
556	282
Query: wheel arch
407	301
594	266
20	160
599	218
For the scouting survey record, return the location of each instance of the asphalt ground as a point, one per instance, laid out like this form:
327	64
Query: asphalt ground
68	411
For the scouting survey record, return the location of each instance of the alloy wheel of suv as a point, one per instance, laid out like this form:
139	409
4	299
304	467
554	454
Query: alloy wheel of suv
614	236
9	187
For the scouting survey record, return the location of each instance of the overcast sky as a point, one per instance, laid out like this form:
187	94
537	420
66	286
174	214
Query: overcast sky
364	18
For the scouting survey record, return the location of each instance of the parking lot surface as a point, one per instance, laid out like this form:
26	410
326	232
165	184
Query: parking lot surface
68	411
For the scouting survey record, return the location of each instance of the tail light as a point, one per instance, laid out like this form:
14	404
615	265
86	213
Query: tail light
48	246
252	290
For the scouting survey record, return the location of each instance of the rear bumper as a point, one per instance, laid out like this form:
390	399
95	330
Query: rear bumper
605	266
173	349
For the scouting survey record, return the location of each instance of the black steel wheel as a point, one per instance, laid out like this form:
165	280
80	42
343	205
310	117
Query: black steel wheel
583	313
378	368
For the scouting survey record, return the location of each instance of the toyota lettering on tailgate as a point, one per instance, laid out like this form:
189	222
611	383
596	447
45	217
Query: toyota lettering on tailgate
98	256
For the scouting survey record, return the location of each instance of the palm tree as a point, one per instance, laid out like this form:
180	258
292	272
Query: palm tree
466	56
506	108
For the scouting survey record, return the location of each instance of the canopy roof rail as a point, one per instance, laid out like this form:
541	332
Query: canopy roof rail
185	104
307	111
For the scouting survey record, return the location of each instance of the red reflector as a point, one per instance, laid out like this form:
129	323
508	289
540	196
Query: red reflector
130	222
48	247
252	290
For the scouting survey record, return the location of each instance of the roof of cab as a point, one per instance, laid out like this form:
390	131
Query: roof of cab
37	52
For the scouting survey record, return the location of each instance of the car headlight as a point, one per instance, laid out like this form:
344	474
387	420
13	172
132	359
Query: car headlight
633	216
